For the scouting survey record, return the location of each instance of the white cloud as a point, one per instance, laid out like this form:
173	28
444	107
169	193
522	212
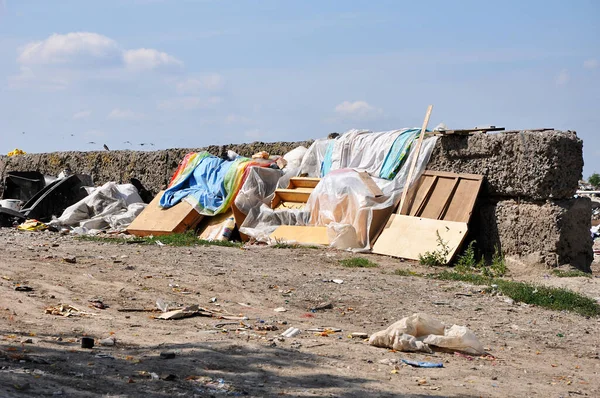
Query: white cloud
213	82
562	78
237	119
591	64
71	48
357	110
28	77
188	103
60	59
124	114
82	115
149	59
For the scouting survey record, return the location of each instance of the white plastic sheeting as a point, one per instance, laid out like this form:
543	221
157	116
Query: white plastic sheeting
363	150
111	206
311	162
341	201
420	331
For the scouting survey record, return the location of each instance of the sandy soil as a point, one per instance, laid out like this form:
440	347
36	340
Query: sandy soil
537	352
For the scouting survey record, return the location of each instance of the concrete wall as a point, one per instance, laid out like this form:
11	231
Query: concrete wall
526	208
153	169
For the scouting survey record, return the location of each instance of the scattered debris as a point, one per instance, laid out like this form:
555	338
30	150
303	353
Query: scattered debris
87	342
416	364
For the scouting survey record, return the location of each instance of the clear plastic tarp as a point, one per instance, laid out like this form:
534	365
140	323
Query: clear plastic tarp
341	201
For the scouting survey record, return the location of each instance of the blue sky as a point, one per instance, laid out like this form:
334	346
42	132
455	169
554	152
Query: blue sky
188	73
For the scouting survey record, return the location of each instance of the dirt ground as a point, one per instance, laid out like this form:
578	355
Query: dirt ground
534	351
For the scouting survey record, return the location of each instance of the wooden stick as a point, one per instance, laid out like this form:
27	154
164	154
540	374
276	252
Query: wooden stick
415	158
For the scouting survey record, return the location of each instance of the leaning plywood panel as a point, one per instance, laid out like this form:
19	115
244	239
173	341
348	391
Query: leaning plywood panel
301	234
409	237
157	221
443	196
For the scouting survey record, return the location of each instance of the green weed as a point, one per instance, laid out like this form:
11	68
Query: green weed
405	272
183	239
436	257
570	274
543	296
358	262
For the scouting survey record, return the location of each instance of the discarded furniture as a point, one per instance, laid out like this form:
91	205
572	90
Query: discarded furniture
434	217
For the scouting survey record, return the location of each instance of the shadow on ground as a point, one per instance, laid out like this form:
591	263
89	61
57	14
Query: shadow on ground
197	370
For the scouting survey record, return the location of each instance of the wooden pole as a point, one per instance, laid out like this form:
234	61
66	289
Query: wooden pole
411	171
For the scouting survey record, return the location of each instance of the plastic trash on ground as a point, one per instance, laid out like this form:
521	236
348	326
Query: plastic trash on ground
420	331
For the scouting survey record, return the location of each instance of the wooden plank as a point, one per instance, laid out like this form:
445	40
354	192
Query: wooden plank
421	191
303	182
449	198
289	205
450	174
473	130
370	183
444	196
438	198
301	234
408	237
463	201
408	181
154	220
289	195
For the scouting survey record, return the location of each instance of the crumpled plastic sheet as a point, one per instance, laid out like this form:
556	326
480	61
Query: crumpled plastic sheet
258	188
363	150
416	333
112	206
313	158
342	202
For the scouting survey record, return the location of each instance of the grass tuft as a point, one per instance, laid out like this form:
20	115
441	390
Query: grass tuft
358	262
571	273
183	239
548	297
405	272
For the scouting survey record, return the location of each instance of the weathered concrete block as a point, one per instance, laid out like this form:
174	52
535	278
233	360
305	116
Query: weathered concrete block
529	165
554	232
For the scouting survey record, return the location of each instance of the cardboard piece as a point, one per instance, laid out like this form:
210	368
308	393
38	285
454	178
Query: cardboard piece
301	234
156	221
408	237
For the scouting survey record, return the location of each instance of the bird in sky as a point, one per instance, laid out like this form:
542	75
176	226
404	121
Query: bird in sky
106	147
127	142
91	142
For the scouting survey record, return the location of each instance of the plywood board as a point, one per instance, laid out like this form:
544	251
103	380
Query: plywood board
408	237
154	220
301	234
370	183
443	196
